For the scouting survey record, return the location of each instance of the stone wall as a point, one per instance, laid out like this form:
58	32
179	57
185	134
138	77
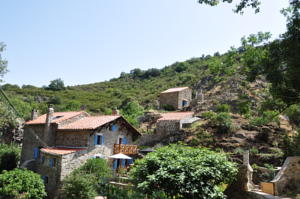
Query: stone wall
288	178
169	99
167	127
33	138
175	98
72	138
185	94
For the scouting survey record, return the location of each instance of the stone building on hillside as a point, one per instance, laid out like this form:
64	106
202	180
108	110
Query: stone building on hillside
169	127
56	143
175	98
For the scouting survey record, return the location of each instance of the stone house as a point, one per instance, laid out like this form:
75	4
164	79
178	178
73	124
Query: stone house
177	98
56	143
169	127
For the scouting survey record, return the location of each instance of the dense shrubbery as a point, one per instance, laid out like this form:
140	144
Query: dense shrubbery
9	157
23	184
222	121
84	182
293	112
183	172
267	117
292	145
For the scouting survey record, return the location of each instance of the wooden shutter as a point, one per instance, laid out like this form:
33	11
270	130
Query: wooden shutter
102	139
36	153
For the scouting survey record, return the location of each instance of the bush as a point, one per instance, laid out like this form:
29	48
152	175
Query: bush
293	112
223	108
21	183
83	182
183	172
79	186
9	157
267	117
168	107
292	145
223	122
208	115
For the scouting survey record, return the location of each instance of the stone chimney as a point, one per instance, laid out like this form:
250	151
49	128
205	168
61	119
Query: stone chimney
34	114
49	116
115	111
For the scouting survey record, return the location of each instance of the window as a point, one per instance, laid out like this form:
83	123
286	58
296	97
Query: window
45	179
52	162
36	153
114	128
99	139
43	159
184	103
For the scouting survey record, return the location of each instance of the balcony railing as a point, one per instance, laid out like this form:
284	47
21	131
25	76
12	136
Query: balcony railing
126	149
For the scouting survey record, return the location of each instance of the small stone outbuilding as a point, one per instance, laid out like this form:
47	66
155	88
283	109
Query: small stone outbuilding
175	98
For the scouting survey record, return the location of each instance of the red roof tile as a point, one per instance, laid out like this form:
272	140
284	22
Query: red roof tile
89	123
61	151
171	90
58	117
175	115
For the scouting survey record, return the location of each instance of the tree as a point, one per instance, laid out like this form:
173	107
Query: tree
56	85
3	63
183	172
20	183
131	111
9	157
84	181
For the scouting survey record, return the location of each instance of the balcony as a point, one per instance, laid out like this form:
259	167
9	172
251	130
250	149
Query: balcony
126	149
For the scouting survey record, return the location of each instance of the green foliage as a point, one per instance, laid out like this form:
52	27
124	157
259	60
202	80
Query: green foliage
84	181
292	145
20	183
183	172
293	112
208	114
79	186
223	108
9	156
132	111
267	117
168	107
3	63
56	85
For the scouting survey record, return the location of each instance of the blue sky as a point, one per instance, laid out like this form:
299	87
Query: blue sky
87	41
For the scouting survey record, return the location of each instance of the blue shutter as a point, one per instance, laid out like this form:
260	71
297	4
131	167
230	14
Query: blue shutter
36	153
123	163
51	162
114	128
124	140
102	138
95	139
130	161
115	164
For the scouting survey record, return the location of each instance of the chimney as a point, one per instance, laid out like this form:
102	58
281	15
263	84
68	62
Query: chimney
34	114
115	111
49	116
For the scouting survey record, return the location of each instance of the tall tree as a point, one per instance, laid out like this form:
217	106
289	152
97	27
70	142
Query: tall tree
3	62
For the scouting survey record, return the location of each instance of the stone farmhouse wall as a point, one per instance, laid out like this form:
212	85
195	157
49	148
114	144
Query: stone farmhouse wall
175	98
72	138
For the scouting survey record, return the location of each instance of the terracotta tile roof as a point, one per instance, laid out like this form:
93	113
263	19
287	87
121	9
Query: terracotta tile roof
171	90
175	115
61	150
89	123
58	117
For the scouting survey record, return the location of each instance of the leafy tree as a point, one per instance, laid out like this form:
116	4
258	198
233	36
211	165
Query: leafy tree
84	181
20	183
79	186
183	172
56	85
131	111
3	63
9	157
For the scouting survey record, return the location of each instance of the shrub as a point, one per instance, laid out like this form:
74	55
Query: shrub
84	181
79	186
20	183
293	112
183	172
223	108
168	107
292	145
9	157
208	114
267	117
223	122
